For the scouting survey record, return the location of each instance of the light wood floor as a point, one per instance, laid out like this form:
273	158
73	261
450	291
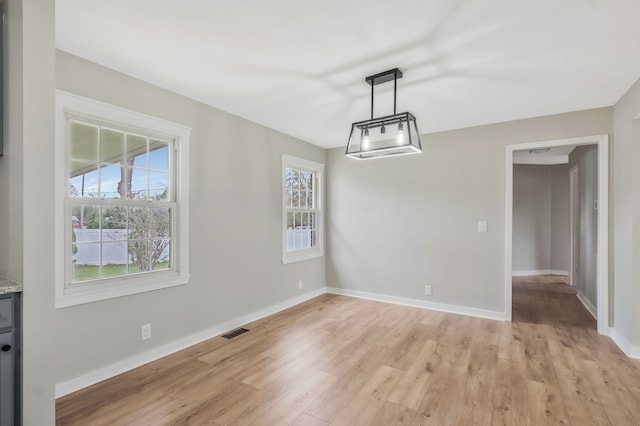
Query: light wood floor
339	360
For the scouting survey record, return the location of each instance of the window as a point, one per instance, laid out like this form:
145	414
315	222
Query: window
302	209
122	209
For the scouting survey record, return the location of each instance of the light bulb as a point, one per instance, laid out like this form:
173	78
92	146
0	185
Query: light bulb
400	134
365	140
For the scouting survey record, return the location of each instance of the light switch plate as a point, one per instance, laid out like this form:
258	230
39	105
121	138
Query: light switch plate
482	226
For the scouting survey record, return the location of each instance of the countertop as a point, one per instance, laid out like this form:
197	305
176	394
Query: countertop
8	286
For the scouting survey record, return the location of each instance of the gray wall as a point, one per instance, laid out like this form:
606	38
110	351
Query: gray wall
587	159
26	193
531	217
235	269
400	223
540	217
626	211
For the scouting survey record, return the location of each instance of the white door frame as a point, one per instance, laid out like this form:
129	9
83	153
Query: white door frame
574	194
603	220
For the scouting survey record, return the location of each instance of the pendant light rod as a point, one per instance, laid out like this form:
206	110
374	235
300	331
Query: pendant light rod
372	101
383	77
395	87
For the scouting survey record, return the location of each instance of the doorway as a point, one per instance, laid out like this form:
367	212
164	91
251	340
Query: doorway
602	141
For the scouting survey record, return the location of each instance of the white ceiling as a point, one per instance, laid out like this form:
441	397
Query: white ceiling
299	66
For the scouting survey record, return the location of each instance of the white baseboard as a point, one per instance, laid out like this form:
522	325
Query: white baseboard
417	303
629	350
587	304
539	272
130	363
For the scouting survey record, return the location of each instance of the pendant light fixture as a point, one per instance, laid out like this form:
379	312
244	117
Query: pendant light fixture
395	134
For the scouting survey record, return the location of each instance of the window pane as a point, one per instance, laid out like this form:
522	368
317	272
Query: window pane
159	186
288	198
114	259
288	178
149	234
305	178
140	255
140	223
139	184
84	185
110	178
114	223
295	179
137	151
161	222
83	142
86	218
298	234
290	231
159	155
303	199
111	146
161	249
86	262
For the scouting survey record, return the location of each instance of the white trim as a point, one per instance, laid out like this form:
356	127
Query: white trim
574	207
508	237
603	235
417	303
68	103
539	272
289	161
587	304
111	370
625	346
603	219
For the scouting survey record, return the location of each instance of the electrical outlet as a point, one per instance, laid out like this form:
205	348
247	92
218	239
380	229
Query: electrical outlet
299	284
428	290
145	332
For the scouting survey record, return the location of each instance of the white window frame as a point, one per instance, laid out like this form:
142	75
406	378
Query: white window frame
289	161
70	105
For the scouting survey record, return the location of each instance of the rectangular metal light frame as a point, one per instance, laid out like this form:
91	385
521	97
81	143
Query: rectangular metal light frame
412	144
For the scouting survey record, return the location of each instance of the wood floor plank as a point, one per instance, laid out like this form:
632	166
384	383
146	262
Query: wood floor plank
363	408
472	416
411	389
308	420
581	402
545	404
394	415
622	408
443	397
510	394
290	406
342	360
328	405
408	346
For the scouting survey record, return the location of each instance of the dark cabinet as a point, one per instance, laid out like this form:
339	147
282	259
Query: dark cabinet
9	360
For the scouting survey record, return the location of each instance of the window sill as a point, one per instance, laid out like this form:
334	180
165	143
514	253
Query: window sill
118	288
301	255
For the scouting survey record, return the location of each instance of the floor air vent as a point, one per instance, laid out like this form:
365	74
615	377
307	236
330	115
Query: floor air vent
234	333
